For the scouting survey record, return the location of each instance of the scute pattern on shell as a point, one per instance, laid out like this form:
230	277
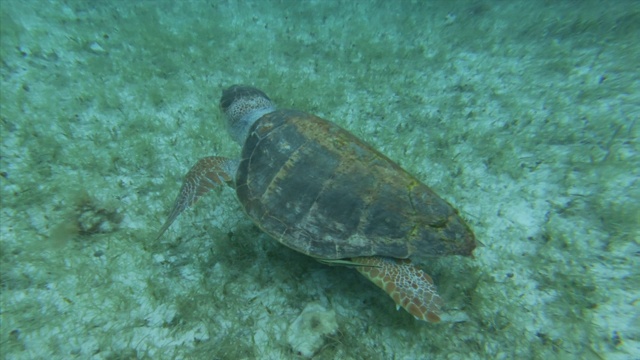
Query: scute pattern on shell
321	191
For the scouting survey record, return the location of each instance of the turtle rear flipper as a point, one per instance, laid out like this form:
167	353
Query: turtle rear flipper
407	285
207	174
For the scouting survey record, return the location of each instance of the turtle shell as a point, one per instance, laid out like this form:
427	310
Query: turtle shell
320	190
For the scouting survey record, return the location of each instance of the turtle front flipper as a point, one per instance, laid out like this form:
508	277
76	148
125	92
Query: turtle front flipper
407	285
208	173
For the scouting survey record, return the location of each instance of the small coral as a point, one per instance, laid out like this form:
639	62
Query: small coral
92	219
307	333
87	216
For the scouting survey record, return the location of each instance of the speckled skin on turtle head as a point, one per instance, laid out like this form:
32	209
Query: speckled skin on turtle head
242	106
321	191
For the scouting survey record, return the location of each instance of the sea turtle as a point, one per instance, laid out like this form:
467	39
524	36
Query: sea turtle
319	190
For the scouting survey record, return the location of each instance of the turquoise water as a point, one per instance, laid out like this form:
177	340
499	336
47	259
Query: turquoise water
523	114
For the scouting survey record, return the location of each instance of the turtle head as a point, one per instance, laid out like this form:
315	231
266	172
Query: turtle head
242	106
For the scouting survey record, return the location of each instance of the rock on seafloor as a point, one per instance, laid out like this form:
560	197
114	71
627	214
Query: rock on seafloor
308	332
